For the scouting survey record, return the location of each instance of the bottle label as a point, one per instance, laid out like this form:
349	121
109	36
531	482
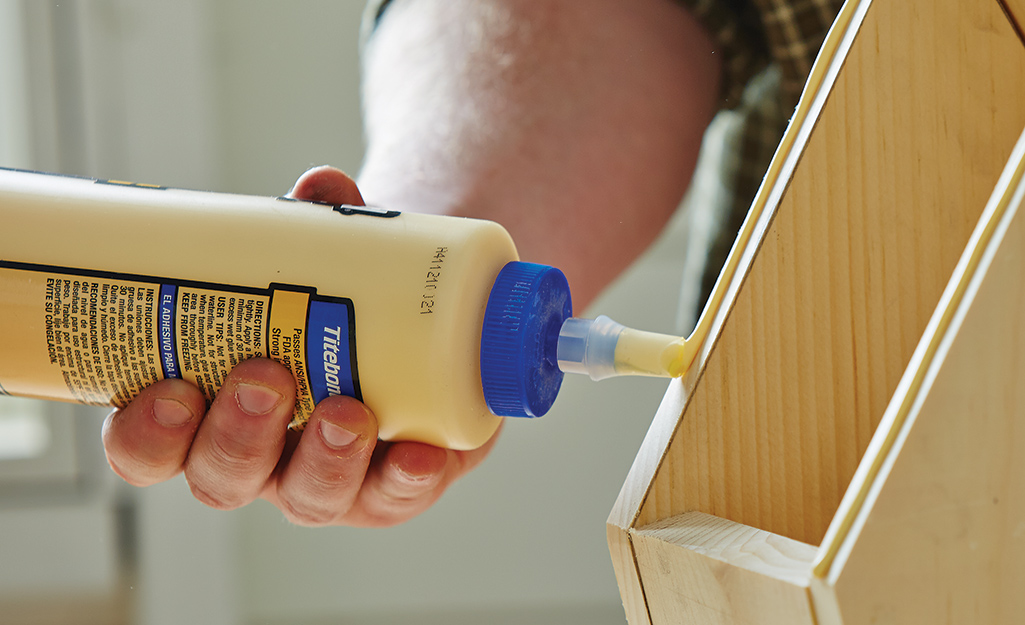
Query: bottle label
99	338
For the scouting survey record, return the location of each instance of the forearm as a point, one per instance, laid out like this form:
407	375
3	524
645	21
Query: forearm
574	124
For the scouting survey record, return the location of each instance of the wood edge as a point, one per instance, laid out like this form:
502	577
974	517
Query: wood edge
943	325
738	571
630	503
1012	19
628	578
630	509
821	79
705	535
624	511
825	608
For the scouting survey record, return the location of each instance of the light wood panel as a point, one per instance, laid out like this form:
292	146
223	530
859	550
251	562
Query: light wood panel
894	177
654	447
896	146
703	569
940	537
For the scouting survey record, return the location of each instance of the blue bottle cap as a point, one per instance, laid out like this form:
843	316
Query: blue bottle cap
518	363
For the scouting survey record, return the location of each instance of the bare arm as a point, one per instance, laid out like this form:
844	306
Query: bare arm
574	124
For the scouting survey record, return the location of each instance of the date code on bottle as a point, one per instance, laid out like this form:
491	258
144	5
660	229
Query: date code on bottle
427	300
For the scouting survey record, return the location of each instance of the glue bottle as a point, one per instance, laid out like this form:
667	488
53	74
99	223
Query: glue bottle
107	286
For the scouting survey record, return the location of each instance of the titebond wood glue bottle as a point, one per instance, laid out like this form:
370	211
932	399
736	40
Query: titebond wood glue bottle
107	286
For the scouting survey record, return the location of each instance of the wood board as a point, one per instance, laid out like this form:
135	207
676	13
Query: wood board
938	531
760	578
837	285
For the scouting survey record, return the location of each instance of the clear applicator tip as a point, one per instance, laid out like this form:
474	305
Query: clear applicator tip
602	348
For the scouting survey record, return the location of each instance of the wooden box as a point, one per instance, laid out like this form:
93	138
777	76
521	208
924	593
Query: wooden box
849	446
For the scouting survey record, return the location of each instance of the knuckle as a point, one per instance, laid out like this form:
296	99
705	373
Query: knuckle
318	495
384	519
400	489
139	469
132	477
403	497
234	458
306	515
138	460
226	473
215	500
392	507
328	479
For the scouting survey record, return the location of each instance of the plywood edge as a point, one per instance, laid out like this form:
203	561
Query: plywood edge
703	568
824	602
631	508
624	563
940	332
624	511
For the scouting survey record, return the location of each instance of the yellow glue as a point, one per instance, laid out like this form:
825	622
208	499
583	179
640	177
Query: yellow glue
108	286
647	353
601	348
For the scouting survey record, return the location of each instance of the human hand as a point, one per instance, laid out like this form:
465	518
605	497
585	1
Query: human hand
334	472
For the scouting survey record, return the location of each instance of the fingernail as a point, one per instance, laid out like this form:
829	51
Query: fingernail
335	435
255	399
171	413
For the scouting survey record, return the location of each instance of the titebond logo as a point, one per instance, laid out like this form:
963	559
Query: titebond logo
332	345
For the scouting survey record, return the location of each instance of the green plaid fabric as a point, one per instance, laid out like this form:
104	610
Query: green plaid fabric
768	48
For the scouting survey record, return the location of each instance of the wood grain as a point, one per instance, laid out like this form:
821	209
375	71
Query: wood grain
703	569
941	535
893	178
654	447
869	204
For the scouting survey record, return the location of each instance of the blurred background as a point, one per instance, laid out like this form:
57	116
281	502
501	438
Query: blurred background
243	96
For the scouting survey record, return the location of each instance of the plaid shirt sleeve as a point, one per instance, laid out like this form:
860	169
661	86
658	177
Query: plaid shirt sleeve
768	48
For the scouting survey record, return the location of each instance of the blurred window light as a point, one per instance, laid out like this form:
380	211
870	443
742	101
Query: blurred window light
24	429
15	109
